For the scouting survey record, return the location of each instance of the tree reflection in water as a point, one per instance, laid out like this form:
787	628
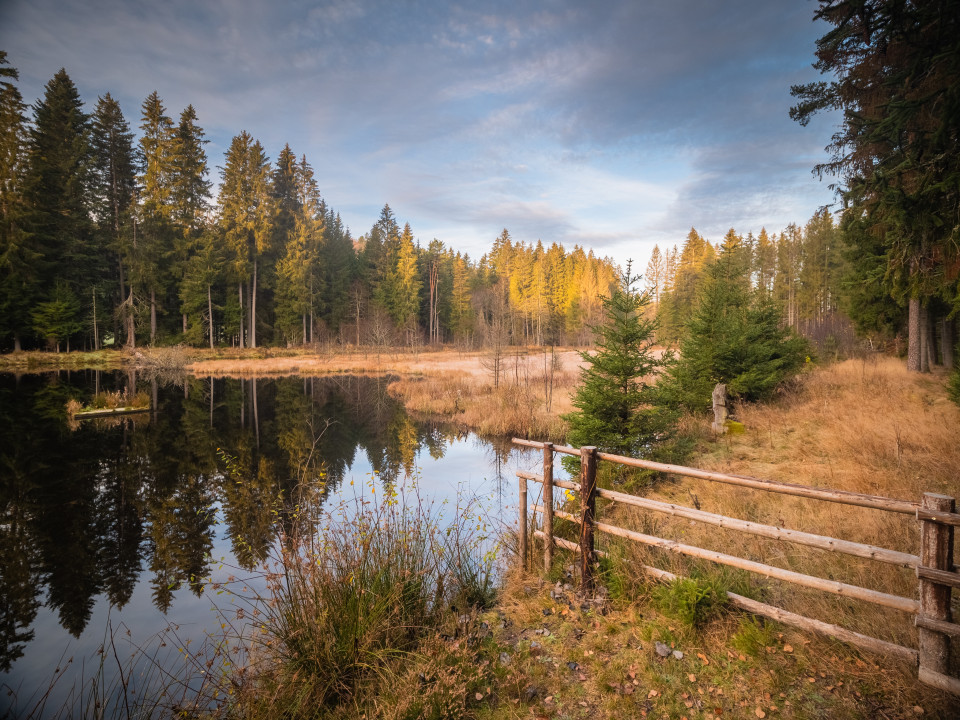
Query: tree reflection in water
136	498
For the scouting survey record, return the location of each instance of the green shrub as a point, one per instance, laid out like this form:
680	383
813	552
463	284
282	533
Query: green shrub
690	601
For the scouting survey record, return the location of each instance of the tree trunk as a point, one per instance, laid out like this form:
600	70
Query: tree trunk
304	318
16	342
256	415
931	330
153	316
913	336
184	323
253	307
240	293
96	332
123	294
131	328
947	342
210	314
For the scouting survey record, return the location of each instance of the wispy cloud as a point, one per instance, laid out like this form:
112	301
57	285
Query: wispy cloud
612	124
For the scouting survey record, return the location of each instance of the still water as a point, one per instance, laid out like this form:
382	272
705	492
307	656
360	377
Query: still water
117	528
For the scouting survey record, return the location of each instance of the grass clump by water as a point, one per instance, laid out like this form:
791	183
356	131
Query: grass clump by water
356	601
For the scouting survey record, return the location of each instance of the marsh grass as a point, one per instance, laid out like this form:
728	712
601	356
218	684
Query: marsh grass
348	605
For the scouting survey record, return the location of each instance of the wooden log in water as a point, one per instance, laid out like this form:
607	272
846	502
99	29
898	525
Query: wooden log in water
109	412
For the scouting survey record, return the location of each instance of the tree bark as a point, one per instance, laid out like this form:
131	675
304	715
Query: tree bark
210	314
924	340
240	293
153	316
947	342
913	336
253	307
96	332
931	329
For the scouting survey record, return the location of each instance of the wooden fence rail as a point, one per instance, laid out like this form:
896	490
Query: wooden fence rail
934	567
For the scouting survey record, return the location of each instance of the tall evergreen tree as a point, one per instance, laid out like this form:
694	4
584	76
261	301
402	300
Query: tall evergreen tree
19	256
894	71
56	191
615	398
114	189
734	337
246	214
189	195
155	245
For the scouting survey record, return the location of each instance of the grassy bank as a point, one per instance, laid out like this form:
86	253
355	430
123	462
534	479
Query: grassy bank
532	391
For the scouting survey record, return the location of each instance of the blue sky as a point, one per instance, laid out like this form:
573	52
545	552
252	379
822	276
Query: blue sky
615	125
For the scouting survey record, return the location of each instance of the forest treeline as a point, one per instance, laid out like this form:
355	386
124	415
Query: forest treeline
108	238
829	278
112	236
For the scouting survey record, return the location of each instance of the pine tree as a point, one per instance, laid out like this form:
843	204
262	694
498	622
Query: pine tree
19	256
246	215
734	337
155	244
56	192
614	400
189	196
114	188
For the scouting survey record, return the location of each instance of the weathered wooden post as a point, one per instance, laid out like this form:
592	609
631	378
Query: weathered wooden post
523	522
547	506
720	412
588	501
936	553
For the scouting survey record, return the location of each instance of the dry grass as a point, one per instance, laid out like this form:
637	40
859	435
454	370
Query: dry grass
862	425
512	409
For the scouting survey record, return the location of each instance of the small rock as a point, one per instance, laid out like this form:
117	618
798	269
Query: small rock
548	611
530	693
663	650
573	666
678	655
534	645
505	658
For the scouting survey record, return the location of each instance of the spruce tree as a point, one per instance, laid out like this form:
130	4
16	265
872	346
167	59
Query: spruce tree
57	193
19	258
114	187
246	213
614	401
734	336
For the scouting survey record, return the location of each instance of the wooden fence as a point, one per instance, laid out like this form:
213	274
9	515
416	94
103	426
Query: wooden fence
936	573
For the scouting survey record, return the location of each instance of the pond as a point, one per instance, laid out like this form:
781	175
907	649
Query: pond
119	528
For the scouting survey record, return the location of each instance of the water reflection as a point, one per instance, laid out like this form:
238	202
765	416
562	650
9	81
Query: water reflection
92	512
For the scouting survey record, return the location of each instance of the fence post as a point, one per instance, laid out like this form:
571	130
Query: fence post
523	522
588	501
547	506
936	551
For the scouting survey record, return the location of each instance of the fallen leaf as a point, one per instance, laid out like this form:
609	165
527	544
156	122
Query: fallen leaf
652	694
688	703
759	713
479	696
812	680
788	648
703	658
691	677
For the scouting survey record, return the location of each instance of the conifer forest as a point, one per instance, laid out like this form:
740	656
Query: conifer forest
111	234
